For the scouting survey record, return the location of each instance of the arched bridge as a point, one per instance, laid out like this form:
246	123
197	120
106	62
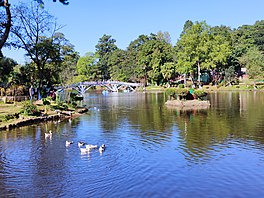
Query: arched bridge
112	86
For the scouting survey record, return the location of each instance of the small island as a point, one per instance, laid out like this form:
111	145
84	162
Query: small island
187	98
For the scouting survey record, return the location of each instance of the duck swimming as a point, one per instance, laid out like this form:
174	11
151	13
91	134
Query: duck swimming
90	146
49	134
81	143
102	148
84	150
68	143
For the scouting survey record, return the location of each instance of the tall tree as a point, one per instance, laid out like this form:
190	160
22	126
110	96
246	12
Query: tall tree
120	68
199	49
164	36
133	49
87	69
6	67
5	23
6	20
34	29
104	48
258	35
151	57
253	60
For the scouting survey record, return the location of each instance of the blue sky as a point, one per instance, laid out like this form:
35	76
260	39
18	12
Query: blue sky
87	20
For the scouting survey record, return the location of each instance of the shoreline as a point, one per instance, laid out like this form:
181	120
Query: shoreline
20	122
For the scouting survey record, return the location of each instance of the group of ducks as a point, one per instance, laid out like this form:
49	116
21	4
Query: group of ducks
84	147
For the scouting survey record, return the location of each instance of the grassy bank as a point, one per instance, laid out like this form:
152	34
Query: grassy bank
13	114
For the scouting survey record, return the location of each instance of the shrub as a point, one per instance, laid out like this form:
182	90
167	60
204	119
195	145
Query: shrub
181	86
200	94
30	109
177	93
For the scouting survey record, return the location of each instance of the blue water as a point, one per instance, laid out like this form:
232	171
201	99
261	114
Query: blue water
151	150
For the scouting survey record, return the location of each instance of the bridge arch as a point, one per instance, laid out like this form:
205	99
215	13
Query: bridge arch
113	86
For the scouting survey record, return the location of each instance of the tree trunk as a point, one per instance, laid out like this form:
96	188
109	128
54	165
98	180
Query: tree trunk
184	79
199	74
7	25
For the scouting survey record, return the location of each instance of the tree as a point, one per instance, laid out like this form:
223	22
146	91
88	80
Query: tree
258	35
168	71
132	54
164	36
152	55
34	30
6	20
5	23
64	2
87	69
69	66
119	66
104	48
198	49
253	60
6	67
61	67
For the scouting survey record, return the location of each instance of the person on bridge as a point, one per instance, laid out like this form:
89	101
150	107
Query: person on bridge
31	93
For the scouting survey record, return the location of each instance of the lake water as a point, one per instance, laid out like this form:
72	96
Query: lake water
151	150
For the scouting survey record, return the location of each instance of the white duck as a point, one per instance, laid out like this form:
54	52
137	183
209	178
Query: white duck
81	143
83	150
102	148
90	146
49	134
68	143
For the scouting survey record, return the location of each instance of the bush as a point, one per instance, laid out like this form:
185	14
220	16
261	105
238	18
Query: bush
181	86
30	109
200	94
177	93
185	93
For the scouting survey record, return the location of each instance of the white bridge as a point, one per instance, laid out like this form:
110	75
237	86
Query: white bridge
112	86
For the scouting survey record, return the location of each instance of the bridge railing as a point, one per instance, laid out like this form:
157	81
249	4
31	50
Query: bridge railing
99	83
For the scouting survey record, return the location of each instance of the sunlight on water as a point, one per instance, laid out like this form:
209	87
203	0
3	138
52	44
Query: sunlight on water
151	150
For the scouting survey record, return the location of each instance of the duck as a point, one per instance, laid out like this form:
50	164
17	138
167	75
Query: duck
83	150
68	143
49	134
81	143
102	148
90	146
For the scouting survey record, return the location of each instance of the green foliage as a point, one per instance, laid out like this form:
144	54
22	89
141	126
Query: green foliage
181	93
87	69
30	109
176	93
253	60
199	94
104	48
152	56
199	49
9	117
6	68
230	76
181	86
46	101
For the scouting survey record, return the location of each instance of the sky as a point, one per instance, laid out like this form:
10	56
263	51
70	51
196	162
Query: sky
86	21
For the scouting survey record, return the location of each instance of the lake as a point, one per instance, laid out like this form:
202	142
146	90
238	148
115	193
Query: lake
151	150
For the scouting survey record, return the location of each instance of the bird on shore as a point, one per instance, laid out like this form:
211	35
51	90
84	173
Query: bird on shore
102	148
49	134
68	143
